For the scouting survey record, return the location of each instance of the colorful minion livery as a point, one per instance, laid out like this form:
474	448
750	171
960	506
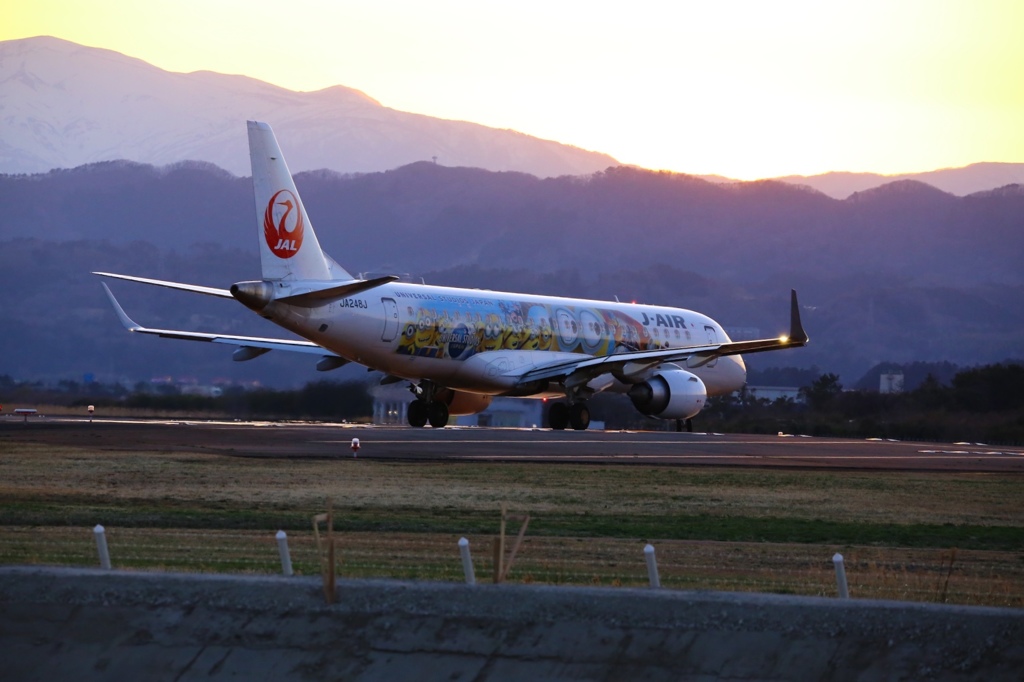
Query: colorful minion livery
458	348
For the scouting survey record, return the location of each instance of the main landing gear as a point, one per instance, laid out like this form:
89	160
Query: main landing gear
434	412
562	415
426	409
687	422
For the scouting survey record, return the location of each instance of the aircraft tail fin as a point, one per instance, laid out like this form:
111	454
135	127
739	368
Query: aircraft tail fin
289	248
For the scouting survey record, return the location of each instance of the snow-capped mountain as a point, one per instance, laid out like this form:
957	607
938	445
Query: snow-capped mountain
63	105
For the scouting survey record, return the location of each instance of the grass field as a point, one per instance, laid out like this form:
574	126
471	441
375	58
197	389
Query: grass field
724	529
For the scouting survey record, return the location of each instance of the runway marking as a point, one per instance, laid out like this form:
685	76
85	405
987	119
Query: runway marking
573	442
973	453
604	439
615	442
887	458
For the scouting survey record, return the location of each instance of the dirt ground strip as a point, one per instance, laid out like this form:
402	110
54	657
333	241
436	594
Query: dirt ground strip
971	577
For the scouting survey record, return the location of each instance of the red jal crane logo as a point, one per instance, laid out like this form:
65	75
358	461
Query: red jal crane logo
282	224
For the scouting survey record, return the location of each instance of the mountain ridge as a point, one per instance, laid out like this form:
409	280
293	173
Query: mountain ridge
481	217
900	273
66	104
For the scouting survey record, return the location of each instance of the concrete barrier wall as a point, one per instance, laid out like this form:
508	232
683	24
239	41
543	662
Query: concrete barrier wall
81	624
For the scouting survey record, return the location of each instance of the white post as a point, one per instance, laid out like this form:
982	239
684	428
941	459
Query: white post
652	566
844	591
467	561
101	546
282	548
355	447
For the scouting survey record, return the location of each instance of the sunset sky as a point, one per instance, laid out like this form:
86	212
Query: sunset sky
741	89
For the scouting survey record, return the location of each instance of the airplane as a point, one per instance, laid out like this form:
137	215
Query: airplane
459	348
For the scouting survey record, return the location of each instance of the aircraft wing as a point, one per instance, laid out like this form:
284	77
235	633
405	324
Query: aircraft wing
576	372
296	346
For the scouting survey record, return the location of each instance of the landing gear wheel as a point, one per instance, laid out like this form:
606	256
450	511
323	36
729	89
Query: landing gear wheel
417	413
558	416
437	414
579	417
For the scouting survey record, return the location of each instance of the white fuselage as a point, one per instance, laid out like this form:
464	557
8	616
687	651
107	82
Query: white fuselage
480	341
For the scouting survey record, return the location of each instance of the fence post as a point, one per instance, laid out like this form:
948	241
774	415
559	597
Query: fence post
652	566
101	546
467	561
282	548
844	590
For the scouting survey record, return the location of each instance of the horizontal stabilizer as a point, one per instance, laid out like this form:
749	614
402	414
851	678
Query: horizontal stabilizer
251	342
194	288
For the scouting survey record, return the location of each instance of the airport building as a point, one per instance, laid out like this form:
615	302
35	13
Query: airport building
773	393
391	407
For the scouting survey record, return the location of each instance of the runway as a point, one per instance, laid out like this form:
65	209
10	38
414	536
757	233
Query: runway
478	444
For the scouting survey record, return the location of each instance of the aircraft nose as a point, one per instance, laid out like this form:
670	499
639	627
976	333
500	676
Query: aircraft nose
740	369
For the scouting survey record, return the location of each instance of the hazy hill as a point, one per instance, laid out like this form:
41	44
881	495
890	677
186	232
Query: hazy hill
976	177
900	273
65	105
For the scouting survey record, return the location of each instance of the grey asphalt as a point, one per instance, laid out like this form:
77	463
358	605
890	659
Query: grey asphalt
314	440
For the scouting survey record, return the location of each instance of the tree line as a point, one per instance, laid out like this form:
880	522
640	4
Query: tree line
320	400
981	404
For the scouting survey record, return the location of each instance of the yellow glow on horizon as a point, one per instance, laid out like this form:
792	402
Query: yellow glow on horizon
742	89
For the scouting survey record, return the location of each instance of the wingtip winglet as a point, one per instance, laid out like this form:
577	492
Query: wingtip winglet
129	324
796	327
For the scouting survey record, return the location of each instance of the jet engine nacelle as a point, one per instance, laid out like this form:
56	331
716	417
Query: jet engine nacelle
670	394
462	403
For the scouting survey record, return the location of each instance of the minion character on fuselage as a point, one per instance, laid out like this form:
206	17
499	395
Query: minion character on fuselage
493	335
546	334
513	332
618	334
536	320
426	333
601	331
407	341
527	332
444	327
531	335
